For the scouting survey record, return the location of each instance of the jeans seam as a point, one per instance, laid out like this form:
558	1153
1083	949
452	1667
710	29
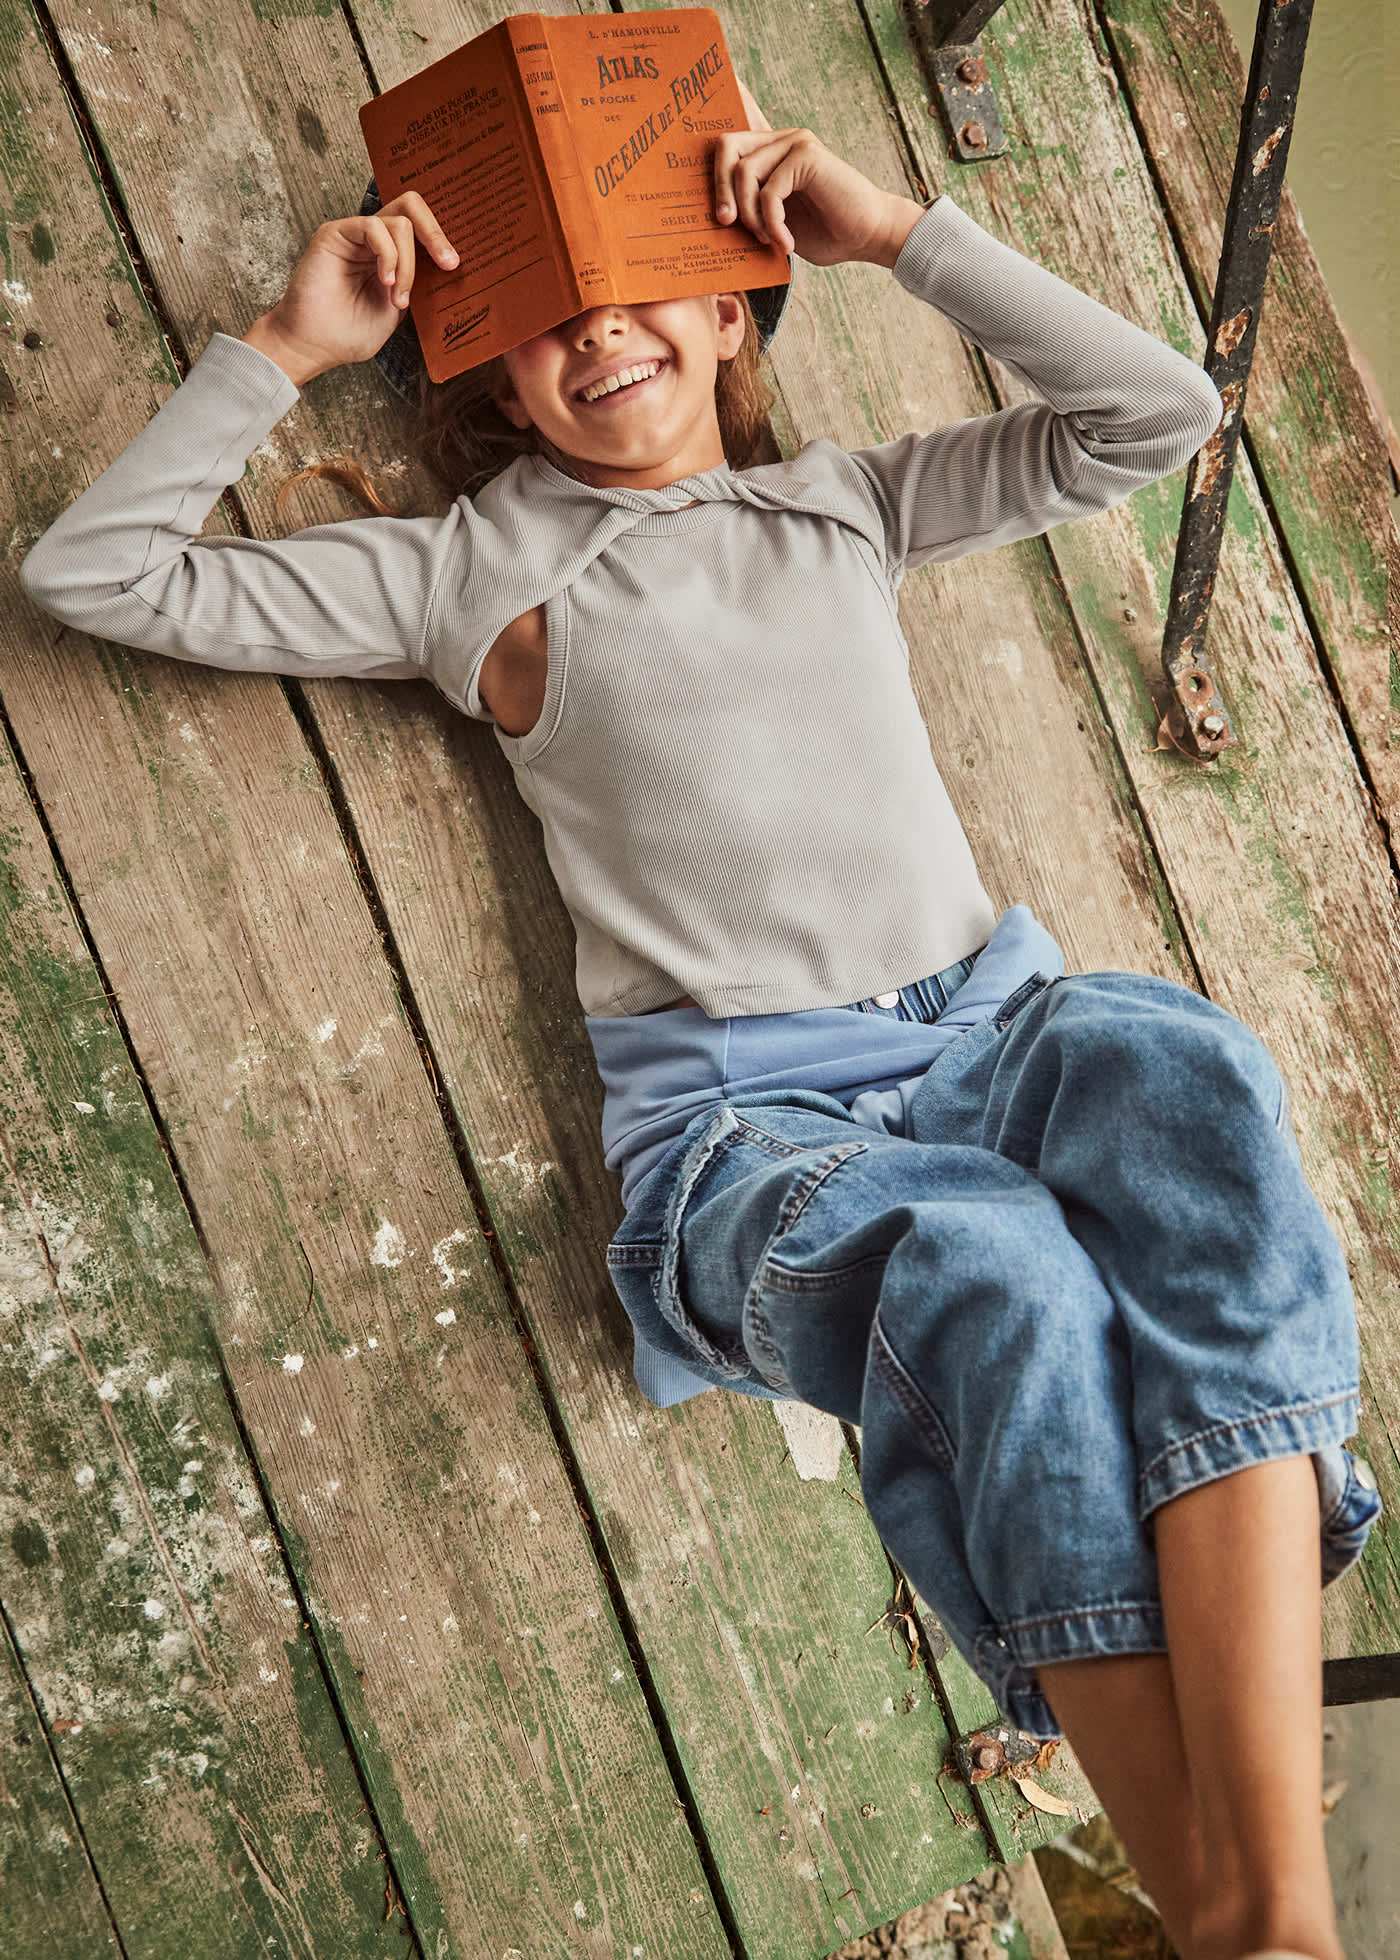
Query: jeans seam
915	1403
783	1279
1245	1422
1117	1608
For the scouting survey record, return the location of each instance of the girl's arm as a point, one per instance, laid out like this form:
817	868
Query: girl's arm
1118	408
125	561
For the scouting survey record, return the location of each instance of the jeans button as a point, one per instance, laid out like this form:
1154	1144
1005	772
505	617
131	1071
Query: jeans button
887	1000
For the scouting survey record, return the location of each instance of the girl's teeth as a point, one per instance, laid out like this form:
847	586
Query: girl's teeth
622	380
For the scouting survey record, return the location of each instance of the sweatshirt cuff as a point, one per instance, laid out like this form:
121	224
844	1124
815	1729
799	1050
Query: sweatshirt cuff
934	246
254	377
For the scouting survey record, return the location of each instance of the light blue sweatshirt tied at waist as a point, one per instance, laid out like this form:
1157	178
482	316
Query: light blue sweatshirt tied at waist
660	1071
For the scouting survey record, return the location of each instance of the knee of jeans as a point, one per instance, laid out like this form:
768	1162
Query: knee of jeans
1131	1027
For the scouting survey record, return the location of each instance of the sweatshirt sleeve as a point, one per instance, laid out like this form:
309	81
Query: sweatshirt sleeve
125	562
1118	408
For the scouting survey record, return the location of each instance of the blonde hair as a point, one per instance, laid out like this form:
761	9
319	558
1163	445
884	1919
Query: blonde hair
464	440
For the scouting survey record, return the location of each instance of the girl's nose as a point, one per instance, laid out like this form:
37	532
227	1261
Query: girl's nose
599	324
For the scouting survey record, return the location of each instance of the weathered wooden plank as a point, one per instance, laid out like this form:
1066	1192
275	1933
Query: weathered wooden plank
1273	851
142	1579
847	1579
450	1581
1307	417
50	1901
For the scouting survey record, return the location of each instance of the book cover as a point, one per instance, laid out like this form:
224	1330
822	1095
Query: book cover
568	160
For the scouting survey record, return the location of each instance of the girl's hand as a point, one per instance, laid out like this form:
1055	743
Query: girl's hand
350	288
792	192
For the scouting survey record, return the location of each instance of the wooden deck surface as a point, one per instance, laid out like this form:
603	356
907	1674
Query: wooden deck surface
354	1601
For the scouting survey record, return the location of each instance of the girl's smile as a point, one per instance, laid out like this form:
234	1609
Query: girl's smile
627	393
619	381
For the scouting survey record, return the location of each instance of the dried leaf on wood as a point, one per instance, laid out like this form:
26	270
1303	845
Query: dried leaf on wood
1042	1799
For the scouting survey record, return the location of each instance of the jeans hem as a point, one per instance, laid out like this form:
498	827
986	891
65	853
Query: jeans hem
1229	1446
1007	1662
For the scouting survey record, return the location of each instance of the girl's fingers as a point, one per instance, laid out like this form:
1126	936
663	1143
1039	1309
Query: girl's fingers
403	269
376	238
731	148
751	171
771	200
415	208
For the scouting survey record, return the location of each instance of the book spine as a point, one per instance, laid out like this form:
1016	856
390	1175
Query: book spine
548	115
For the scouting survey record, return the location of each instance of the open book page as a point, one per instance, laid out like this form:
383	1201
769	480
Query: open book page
458	134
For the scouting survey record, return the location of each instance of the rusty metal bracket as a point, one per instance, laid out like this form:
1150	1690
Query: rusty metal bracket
945	35
1196	720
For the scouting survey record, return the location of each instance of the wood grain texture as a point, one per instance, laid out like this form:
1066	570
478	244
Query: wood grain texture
140	1572
1273	853
50	1901
1321	452
412	1467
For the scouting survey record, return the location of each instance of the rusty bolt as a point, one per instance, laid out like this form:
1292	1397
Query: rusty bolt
973	71
1213	725
986	1755
974	136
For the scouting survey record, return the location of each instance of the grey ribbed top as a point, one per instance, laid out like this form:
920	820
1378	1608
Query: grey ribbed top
732	774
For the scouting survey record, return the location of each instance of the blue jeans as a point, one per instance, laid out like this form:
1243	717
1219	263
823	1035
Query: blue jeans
1092	1279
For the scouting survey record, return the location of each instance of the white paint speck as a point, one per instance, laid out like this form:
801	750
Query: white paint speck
350	1353
325	1031
580	1909
292	1364
156	1386
85	1477
389	1247
531	1173
535	1517
372	1342
308	1427
108	1391
153	1609
117	1548
445	1318
13	290
450	1273
267	1675
88	1109
449	1625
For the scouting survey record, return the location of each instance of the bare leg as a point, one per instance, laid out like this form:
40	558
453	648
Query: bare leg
1120	1715
1210	1765
1241	1592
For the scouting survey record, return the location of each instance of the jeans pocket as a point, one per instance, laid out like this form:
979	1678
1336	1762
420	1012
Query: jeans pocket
1022	997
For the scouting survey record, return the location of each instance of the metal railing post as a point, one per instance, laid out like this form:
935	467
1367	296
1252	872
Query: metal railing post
1196	719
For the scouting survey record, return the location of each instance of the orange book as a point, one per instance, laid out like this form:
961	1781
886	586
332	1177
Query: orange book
569	162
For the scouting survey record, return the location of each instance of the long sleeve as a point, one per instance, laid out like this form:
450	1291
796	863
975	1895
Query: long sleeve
1118	408
125	562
